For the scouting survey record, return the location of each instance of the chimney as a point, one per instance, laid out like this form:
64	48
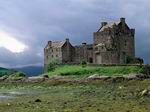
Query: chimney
50	43
83	43
122	20
103	23
67	39
133	31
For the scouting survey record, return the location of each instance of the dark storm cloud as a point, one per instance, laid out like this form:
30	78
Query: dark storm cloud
37	21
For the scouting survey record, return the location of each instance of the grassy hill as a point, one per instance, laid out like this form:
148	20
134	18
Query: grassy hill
79	70
31	70
4	71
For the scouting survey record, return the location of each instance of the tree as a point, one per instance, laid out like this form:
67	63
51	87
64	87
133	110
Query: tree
52	64
83	63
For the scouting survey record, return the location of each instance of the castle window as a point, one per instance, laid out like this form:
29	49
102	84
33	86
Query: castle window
96	48
125	43
52	56
90	60
56	55
52	50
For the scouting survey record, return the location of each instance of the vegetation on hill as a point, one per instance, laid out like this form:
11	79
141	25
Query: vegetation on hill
80	70
31	70
4	71
19	74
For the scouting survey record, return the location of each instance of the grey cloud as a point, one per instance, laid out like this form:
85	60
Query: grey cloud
37	21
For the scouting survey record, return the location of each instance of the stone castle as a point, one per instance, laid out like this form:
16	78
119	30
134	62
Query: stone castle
112	44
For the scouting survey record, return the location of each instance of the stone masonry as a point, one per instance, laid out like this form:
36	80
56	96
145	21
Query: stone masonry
112	44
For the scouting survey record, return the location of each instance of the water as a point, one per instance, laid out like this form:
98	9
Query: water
9	95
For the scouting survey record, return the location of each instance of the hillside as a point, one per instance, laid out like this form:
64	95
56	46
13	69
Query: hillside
4	71
31	70
78	70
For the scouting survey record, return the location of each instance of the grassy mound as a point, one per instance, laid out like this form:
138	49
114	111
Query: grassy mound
66	70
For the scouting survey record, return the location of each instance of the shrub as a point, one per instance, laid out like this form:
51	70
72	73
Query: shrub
129	60
52	64
146	70
139	60
19	74
83	63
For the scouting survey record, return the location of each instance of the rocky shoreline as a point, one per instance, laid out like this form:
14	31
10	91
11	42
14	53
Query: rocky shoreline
45	78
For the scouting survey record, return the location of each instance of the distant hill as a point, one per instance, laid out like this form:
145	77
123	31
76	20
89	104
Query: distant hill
4	71
31	70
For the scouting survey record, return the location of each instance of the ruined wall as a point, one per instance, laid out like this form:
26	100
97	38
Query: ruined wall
83	52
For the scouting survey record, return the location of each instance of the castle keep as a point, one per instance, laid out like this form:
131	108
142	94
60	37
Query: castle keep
112	44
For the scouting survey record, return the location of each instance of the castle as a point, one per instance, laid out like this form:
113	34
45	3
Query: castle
112	44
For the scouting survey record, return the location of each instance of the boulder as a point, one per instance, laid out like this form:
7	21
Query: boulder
118	79
3	78
145	92
98	77
38	100
130	76
35	79
142	76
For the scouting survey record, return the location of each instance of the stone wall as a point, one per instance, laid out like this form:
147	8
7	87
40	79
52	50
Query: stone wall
83	52
67	53
112	44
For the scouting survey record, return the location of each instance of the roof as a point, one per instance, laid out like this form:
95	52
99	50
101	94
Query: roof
56	44
80	46
100	45
108	25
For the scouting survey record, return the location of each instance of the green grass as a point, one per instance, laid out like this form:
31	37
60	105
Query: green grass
96	96
66	70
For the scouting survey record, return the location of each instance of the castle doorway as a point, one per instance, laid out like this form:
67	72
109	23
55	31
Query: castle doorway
98	59
90	60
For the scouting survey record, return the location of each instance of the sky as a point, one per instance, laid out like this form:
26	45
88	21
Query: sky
27	25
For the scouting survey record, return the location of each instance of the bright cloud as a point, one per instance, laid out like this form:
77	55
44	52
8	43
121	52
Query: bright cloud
9	42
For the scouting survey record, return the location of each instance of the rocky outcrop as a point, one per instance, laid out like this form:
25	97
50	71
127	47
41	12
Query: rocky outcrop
45	77
119	78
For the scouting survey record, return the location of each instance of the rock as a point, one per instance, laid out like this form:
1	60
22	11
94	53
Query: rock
97	77
35	79
130	76
105	77
93	76
3	78
46	76
117	79
8	104
38	100
142	76
145	92
57	77
15	79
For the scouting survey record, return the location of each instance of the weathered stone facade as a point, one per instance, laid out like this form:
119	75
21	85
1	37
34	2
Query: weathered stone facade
112	44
